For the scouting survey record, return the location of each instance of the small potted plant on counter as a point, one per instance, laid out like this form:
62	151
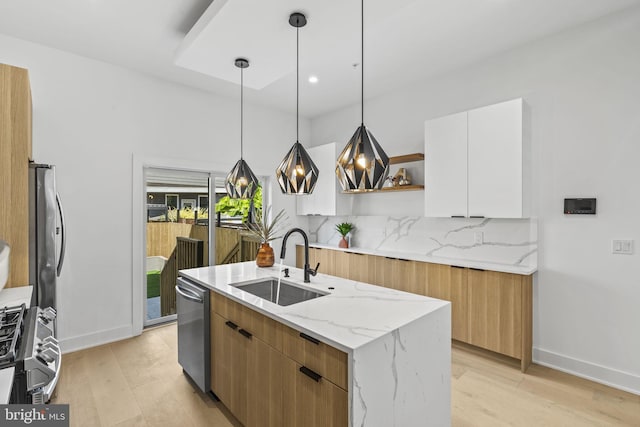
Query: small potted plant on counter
344	228
266	232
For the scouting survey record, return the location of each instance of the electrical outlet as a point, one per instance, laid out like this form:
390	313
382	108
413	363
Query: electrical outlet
622	247
478	237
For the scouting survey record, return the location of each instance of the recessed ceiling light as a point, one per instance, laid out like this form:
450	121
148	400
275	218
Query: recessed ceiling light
313	79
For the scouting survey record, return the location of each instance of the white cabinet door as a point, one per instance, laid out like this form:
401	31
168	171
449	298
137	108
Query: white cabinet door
445	160
323	199
495	160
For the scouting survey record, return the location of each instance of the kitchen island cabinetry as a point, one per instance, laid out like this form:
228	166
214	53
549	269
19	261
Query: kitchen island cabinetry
246	372
358	355
312	403
277	376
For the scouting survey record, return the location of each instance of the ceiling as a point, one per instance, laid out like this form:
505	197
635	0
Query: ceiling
194	42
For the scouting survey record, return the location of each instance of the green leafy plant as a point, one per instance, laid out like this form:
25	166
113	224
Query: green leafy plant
344	228
267	231
239	207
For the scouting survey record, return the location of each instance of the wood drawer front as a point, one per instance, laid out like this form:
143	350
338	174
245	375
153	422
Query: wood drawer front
324	359
312	404
261	326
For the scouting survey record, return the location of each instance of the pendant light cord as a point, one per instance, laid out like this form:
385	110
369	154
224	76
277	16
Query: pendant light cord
297	83
241	108
362	61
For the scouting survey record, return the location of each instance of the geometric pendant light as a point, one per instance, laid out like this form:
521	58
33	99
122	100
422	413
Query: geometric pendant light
297	174
362	165
241	183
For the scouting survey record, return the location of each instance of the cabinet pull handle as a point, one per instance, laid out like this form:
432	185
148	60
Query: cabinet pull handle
230	324
405	260
388	257
476	269
308	338
476	216
457	216
245	333
456	266
311	374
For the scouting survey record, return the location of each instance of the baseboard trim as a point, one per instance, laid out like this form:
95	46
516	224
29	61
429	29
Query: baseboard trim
106	336
601	374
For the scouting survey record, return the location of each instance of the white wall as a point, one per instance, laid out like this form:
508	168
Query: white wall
582	88
89	119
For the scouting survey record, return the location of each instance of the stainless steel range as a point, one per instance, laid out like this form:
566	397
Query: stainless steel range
28	344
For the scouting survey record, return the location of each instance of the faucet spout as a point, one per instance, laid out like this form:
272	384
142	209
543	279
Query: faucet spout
307	270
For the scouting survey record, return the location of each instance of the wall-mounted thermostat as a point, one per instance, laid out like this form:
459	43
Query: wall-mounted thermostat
580	206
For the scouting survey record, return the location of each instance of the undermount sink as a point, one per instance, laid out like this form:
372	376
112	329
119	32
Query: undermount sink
267	289
4	263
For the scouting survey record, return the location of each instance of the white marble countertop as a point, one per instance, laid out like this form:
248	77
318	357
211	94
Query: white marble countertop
352	315
504	268
15	296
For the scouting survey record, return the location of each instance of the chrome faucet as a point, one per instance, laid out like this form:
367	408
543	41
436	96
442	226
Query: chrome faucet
307	270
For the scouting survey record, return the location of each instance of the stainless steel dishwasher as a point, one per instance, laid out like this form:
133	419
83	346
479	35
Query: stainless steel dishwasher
194	335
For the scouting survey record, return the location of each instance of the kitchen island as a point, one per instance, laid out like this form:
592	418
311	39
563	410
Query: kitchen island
396	347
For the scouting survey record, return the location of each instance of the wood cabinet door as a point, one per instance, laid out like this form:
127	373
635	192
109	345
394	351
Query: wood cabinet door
300	255
352	266
326	258
222	348
408	276
312	403
450	283
15	152
445	163
495	160
264	385
382	270
495	311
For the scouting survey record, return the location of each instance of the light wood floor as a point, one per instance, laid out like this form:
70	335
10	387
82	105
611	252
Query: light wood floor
138	382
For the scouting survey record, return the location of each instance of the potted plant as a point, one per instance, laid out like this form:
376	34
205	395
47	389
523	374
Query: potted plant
344	228
266	231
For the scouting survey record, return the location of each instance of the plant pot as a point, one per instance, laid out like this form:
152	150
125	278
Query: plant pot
343	243
265	256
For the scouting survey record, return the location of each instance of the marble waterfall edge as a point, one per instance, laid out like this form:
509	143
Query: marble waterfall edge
391	375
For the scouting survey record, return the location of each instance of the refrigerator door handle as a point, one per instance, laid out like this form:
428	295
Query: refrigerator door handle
63	243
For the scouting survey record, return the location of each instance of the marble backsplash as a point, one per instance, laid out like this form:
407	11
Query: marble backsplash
505	241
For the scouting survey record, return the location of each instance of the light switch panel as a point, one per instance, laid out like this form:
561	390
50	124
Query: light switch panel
622	247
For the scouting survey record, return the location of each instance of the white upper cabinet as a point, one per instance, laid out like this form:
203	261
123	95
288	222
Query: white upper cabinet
326	198
474	163
446	166
495	160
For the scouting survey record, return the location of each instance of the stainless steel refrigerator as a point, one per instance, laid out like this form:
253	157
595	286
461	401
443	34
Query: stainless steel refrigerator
46	234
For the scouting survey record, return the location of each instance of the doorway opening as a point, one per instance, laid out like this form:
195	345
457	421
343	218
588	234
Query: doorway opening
177	234
190	222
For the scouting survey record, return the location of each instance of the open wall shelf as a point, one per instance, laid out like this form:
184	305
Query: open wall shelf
407	158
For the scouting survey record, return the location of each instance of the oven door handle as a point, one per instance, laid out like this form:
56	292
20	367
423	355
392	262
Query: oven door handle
189	294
